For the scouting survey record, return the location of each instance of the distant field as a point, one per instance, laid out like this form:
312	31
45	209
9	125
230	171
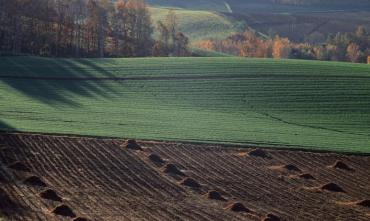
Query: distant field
199	25
308	104
308	22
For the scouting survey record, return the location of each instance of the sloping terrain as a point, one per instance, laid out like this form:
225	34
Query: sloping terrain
309	21
198	25
60	178
310	104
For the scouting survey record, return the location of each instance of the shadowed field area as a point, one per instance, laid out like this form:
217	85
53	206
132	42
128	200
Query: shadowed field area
59	178
304	104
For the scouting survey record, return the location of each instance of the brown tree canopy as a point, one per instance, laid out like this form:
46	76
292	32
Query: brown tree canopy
88	28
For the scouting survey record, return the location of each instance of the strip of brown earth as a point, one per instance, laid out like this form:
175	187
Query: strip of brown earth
97	179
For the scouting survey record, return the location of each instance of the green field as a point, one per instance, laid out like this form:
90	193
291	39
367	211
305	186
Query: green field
198	25
305	104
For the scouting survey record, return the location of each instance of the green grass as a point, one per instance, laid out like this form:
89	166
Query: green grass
210	5
198	25
306	104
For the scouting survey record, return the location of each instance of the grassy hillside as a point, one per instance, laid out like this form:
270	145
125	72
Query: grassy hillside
200	24
249	6
312	21
321	105
210	5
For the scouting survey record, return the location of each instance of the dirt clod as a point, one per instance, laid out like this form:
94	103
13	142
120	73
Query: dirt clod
271	217
34	181
19	166
132	145
341	165
365	203
288	167
258	153
291	167
64	210
172	169
306	176
214	195
156	159
332	187
50	195
237	207
80	219
190	183
5	201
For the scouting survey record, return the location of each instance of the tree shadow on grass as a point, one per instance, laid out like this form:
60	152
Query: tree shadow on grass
4	127
54	81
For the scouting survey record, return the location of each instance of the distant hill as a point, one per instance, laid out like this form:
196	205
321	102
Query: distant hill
299	20
199	24
264	5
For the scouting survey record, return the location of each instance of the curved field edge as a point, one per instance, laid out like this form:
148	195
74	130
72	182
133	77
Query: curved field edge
283	103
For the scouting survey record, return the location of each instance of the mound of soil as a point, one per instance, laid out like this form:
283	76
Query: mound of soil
172	169
341	165
271	217
34	181
5	201
306	176
64	210
288	167
80	219
291	167
190	183
214	195
19	166
237	207
3	179
332	187
50	195
258	153
156	159
365	203
132	145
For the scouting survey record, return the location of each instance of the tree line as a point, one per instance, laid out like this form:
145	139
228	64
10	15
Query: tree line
86	28
352	46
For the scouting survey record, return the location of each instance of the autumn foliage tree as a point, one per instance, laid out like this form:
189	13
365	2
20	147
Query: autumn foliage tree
353	52
171	42
80	28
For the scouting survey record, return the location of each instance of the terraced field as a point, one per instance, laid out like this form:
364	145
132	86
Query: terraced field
60	178
301	104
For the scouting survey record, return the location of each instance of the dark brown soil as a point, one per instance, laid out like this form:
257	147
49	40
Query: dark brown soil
156	159
341	165
365	203
132	145
19	166
50	195
34	181
189	182
258	153
291	167
99	180
172	169
287	167
5	201
64	210
214	195
80	219
237	207
306	176
332	187
271	217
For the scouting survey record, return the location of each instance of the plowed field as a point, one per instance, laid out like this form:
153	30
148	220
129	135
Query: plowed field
60	178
